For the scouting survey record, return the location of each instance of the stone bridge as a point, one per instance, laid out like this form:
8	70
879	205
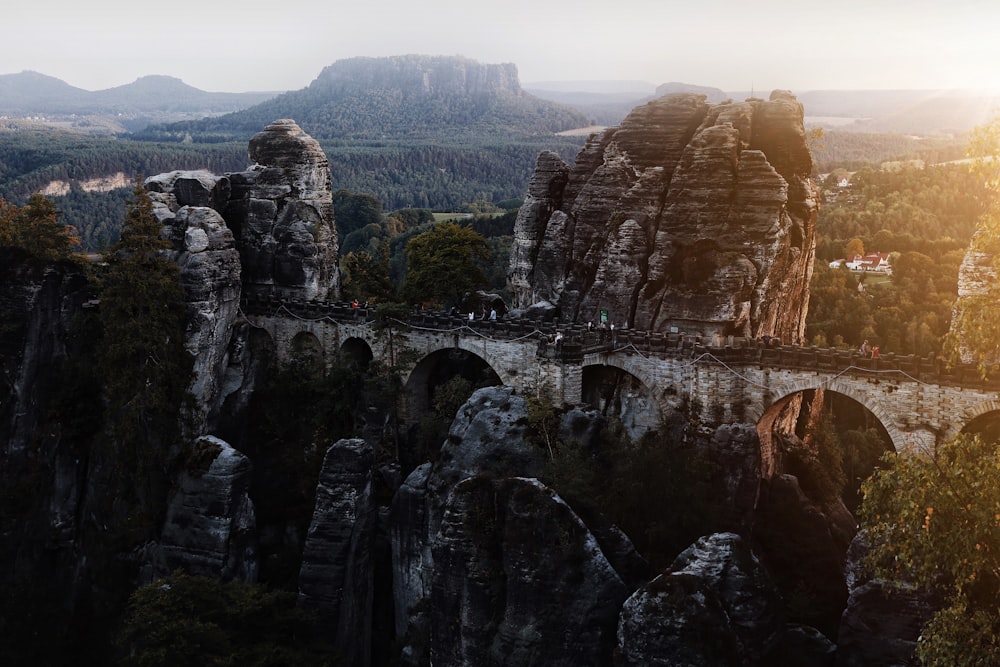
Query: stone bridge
918	401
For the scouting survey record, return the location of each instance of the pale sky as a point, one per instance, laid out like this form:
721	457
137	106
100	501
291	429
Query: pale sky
736	45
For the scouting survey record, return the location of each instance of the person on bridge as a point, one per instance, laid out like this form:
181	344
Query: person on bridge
875	352
493	314
864	348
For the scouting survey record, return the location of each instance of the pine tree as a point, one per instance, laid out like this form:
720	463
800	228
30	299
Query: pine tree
146	367
35	227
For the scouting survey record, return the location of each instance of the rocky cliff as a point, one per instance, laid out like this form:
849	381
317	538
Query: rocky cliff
976	281
688	215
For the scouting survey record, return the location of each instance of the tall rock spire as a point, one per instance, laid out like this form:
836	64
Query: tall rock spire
688	215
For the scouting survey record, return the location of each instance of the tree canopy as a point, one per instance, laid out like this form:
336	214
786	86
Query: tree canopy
444	264
36	228
933	517
144	362
933	520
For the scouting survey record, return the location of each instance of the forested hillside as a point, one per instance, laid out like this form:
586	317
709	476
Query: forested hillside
404	97
925	219
33	161
838	149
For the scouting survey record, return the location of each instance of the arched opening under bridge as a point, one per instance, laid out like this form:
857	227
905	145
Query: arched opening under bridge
817	447
305	347
618	394
356	352
436	387
986	426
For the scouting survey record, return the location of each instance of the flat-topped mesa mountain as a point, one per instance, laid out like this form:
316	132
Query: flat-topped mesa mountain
399	96
688	215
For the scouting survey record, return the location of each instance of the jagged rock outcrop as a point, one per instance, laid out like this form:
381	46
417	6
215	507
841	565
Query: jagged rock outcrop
803	543
281	211
205	251
715	605
976	276
38	301
688	215
489	440
880	624
210	527
519	580
337	576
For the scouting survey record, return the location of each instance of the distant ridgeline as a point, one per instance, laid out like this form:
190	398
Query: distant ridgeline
415	131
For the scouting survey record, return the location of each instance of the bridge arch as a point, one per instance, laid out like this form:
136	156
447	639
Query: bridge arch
625	390
868	400
440	365
356	351
306	345
984	417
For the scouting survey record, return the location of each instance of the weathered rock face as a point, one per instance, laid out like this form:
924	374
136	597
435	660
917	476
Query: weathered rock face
880	625
42	472
210	527
487	448
802	542
414	74
38	302
337	576
688	215
975	277
281	211
715	605
519	580
205	251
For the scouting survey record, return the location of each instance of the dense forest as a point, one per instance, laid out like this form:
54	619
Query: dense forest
837	149
924	218
429	174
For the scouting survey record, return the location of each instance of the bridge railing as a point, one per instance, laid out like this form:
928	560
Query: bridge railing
570	342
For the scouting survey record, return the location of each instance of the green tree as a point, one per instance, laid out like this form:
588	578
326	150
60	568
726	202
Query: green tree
444	264
366	276
35	227
933	520
188	620
854	247
144	363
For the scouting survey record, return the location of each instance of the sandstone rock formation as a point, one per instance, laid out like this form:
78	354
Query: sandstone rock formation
205	251
880	625
715	605
690	216
444	510
519	580
337	577
38	302
281	211
976	276
210	527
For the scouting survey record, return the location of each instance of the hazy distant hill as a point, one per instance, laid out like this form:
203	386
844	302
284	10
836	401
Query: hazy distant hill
921	112
904	111
411	96
150	99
